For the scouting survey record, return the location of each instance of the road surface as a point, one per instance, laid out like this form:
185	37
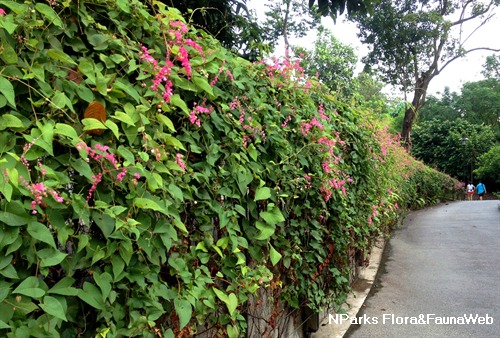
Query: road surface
442	266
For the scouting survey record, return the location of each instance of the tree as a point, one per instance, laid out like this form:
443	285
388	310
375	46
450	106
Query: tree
489	166
492	67
230	22
286	17
445	108
480	103
452	146
336	8
332	62
412	42
370	90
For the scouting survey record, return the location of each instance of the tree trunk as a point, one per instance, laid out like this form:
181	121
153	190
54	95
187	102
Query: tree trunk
410	113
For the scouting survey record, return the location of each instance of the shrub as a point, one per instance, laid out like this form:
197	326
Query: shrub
152	182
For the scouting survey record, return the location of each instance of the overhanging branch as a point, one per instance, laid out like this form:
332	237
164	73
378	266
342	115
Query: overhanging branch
465	53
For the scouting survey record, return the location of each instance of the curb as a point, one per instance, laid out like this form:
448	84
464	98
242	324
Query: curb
361	288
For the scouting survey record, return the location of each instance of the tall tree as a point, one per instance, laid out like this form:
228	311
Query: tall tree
286	18
332	61
336	8
412	42
444	108
492	67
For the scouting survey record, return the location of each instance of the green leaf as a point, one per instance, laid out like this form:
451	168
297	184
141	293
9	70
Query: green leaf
105	223
232	331
59	55
64	287
262	194
124	5
121	116
10	272
202	83
104	282
8	54
10	121
91	124
166	121
30	287
8	24
126	251
178	102
16	215
49	13
169	139
253	152
68	131
274	255
7	90
53	306
85	93
6	190
265	230
82	168
113	127
184	311
118	267
145	203
128	88
273	217
230	300
15	7
91	295
40	232
50	257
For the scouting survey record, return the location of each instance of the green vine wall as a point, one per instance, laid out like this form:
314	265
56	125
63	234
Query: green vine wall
199	179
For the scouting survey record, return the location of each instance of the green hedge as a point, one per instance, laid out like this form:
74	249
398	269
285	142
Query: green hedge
209	178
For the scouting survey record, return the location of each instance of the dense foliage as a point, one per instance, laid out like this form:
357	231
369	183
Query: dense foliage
452	146
152	182
489	166
230	22
332	62
411	42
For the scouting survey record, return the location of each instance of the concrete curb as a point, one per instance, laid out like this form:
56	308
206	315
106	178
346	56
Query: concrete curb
361	289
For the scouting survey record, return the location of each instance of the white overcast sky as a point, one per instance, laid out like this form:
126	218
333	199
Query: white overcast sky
466	69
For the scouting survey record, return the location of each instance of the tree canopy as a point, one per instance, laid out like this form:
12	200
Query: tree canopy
336	8
230	22
412	41
331	61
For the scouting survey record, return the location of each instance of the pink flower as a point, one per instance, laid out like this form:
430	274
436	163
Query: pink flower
183	57
136	175
121	174
95	181
2	12
180	162
193	44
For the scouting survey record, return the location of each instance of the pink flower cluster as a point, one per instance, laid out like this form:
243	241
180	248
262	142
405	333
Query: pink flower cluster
96	179
101	154
180	162
39	191
161	77
321	112
197	110
305	127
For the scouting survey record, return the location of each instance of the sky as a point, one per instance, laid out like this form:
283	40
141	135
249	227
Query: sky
466	69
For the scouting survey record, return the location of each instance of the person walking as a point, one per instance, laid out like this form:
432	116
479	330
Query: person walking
481	190
470	190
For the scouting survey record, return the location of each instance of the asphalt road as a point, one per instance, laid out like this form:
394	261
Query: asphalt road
442	265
